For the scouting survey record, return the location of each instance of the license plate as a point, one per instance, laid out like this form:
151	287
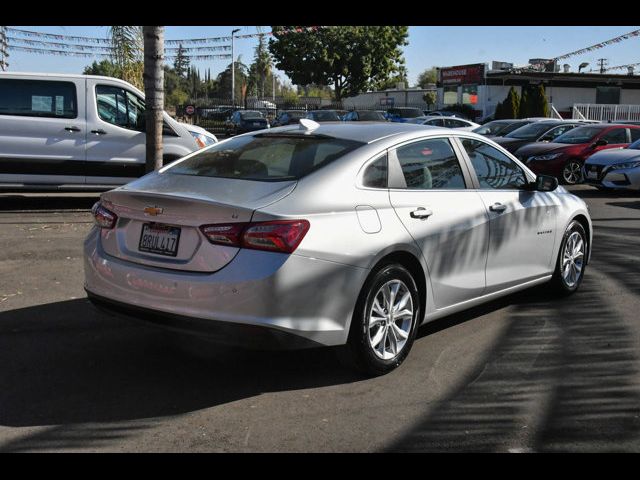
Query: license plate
256	124
592	174
160	239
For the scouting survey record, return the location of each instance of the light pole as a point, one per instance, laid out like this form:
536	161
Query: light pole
233	70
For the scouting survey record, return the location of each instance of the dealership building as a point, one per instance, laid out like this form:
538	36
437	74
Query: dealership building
482	88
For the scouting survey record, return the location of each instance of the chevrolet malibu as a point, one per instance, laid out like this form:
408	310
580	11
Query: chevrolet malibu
341	234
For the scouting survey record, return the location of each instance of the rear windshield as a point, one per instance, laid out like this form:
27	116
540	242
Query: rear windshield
329	116
249	115
406	113
266	157
369	115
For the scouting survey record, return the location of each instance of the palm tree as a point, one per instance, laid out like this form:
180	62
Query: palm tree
154	93
127	53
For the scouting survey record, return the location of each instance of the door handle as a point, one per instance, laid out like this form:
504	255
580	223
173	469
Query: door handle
72	128
421	212
99	132
498	207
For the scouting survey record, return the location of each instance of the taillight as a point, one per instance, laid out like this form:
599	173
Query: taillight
224	234
274	236
104	218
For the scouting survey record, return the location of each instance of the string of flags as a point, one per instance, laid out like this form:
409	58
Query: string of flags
185	41
597	46
49	51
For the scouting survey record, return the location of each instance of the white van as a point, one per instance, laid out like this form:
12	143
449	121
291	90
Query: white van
79	132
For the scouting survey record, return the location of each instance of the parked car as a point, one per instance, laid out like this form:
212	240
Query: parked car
243	121
403	114
288	117
499	128
78	132
564	157
364	116
203	137
543	131
447	122
323	116
234	241
444	113
617	169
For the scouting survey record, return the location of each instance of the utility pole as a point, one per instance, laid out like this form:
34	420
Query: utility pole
4	53
233	70
603	64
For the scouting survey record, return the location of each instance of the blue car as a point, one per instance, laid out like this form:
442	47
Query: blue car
403	114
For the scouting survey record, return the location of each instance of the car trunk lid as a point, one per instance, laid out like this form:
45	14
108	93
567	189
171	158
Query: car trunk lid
160	214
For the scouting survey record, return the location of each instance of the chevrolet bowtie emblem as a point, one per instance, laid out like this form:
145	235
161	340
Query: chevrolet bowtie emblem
153	211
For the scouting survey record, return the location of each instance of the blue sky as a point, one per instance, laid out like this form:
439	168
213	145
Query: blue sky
428	46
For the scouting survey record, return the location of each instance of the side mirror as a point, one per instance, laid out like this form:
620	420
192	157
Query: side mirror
546	183
601	142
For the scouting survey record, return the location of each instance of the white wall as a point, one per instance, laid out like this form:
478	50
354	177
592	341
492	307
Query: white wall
630	97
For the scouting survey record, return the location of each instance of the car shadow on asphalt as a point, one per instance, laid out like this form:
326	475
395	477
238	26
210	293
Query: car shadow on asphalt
564	376
69	363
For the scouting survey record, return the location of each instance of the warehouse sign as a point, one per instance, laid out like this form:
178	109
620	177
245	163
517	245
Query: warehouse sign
463	74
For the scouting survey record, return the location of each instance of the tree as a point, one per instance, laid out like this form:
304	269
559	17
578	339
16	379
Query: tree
512	104
429	76
154	94
224	79
539	104
105	68
525	104
430	98
126	42
181	62
350	58
260	69
393	81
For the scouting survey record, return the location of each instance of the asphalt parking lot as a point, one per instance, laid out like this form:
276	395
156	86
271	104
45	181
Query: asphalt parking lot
524	373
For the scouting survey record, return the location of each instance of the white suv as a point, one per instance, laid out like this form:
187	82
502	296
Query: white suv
78	131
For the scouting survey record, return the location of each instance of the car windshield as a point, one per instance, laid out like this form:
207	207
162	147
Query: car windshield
491	128
265	157
328	116
531	131
578	135
635	145
368	115
251	115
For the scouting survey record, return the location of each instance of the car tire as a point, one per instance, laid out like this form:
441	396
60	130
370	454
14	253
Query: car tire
572	172
564	282
362	351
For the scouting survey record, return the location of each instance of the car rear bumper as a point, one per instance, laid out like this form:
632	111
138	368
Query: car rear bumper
294	295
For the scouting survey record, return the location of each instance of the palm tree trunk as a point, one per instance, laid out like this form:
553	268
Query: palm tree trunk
154	93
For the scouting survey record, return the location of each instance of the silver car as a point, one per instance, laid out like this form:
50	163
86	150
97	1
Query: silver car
617	169
348	234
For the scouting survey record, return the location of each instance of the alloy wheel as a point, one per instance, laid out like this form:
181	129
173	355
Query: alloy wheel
573	259
572	173
390	319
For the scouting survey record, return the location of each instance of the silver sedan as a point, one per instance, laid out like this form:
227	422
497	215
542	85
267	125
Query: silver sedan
617	169
349	234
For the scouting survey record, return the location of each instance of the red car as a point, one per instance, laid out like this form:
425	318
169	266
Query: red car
564	157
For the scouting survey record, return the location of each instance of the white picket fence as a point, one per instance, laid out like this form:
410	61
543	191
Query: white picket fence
605	112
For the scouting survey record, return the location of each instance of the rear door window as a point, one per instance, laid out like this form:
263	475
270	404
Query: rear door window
617	135
430	164
38	98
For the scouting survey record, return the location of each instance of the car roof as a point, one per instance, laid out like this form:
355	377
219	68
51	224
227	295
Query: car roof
366	132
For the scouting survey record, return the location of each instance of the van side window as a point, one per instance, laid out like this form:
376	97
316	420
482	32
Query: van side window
38	98
120	107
